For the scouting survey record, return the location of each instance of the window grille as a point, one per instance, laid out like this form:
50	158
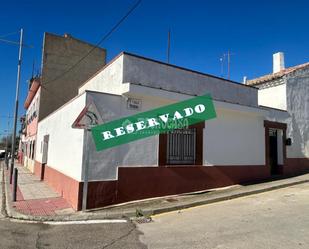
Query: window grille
181	146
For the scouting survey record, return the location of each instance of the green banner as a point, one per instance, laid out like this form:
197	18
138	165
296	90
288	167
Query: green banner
150	123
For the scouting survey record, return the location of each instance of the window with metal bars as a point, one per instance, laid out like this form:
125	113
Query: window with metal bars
181	146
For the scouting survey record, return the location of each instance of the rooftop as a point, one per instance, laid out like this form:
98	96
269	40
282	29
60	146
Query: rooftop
138	70
274	76
34	87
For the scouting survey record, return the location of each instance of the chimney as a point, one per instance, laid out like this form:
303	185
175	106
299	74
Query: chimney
67	35
245	80
278	62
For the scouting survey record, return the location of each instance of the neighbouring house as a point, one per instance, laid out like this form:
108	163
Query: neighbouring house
22	132
57	83
30	124
232	148
288	89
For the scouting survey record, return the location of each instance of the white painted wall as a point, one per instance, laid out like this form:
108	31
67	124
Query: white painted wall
274	97
128	69
238	125
65	148
108	80
295	90
142	78
150	73
234	138
298	108
144	152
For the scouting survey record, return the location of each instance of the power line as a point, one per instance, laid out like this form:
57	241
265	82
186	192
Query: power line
15	43
3	116
99	43
90	51
12	33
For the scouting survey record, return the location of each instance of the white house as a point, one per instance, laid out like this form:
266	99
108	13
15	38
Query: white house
288	89
235	147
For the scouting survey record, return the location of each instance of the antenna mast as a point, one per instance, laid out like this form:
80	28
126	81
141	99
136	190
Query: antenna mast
168	45
228	55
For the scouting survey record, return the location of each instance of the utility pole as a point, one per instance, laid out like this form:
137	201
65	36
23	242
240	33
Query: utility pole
7	143
168	45
16	104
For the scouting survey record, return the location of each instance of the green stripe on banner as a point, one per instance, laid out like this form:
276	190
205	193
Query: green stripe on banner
150	123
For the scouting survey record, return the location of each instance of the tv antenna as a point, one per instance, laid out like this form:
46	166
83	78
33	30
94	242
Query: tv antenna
222	59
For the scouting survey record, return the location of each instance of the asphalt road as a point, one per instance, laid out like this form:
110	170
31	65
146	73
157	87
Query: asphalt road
24	236
275	219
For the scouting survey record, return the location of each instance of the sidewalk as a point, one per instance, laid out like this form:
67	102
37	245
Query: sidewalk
1	191
36	201
35	197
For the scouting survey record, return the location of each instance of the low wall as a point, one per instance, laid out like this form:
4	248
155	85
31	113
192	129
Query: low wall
67	187
294	166
136	183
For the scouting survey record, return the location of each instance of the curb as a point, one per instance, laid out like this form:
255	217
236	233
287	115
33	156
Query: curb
219	199
10	213
130	215
3	204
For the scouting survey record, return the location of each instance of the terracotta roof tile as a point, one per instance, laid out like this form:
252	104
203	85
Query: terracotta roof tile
273	76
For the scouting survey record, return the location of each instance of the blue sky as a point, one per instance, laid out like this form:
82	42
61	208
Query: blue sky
201	31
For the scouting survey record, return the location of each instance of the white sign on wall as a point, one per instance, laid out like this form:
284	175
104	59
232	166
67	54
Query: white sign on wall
134	104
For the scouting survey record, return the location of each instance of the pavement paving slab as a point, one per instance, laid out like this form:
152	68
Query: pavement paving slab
1	189
36	198
31	187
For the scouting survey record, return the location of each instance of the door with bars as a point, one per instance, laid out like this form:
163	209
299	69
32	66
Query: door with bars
181	146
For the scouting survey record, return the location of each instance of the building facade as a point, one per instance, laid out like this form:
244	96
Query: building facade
232	148
28	138
56	84
288	89
63	71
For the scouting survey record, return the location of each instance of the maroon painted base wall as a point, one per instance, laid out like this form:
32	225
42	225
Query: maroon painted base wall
294	166
136	183
66	186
